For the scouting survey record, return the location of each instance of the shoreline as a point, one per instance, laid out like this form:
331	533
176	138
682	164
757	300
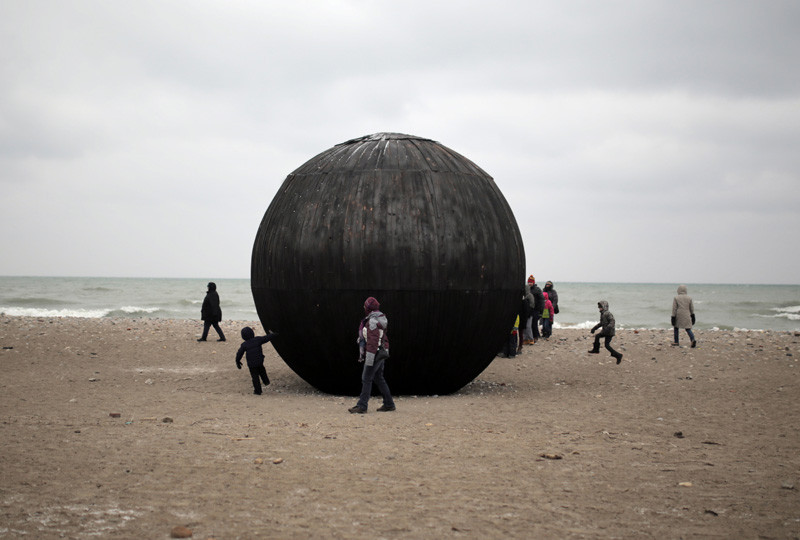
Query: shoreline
247	322
553	443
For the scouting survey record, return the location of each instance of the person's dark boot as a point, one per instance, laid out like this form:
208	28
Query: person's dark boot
357	410
619	358
594	351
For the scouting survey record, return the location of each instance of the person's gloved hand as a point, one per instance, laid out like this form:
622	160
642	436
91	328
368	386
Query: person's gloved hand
692	318
239	365
672	320
591	331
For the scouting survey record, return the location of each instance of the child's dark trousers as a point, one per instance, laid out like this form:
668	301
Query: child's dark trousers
258	373
607	343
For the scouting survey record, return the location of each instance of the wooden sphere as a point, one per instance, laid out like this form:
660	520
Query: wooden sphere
408	221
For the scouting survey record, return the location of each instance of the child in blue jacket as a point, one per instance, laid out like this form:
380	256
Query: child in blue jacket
255	356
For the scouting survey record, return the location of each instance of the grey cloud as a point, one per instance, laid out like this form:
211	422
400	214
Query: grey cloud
671	119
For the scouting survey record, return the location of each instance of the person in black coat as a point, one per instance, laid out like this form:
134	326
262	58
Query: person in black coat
551	292
211	313
251	346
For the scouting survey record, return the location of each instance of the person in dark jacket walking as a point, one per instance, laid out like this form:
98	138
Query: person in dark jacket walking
255	356
211	313
607	332
372	337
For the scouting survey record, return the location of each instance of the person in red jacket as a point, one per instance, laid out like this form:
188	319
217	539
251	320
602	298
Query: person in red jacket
372	337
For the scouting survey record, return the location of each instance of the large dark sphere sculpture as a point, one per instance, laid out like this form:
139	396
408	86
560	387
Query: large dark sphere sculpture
410	222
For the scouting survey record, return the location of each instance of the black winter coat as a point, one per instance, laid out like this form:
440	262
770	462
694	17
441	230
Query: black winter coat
211	311
538	299
252	347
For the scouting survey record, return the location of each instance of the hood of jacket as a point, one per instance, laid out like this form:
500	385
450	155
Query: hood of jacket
371	304
546	297
603	305
248	333
682	289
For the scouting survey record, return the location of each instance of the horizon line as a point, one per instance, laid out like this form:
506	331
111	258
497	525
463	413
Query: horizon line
565	281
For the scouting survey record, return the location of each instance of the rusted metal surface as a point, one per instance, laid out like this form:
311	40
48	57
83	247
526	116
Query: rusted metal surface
404	219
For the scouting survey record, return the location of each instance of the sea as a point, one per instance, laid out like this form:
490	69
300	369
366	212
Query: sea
634	305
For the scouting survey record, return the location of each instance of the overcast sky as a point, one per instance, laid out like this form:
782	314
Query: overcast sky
635	141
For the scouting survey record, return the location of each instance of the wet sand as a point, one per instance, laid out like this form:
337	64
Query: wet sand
126	428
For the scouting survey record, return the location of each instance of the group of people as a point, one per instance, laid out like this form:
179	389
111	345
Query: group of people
542	306
538	308
373	345
373	339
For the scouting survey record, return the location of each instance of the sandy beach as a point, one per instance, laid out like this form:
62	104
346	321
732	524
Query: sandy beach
128	428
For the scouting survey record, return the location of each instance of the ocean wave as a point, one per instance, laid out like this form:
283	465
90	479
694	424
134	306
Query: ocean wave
39	312
788	316
125	311
133	311
136	309
587	325
35	301
791	313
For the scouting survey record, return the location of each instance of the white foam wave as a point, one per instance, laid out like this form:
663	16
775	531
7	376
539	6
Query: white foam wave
791	313
37	312
134	309
789	309
581	326
789	316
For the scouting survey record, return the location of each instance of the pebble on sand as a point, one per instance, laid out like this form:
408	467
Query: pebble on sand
180	532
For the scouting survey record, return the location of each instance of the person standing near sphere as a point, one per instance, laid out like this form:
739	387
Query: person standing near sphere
211	313
548	317
538	307
551	292
373	344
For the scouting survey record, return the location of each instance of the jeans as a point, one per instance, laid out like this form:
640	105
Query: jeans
688	331
547	327
374	373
